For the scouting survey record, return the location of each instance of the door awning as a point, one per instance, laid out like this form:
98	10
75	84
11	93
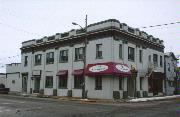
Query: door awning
78	72
62	73
109	68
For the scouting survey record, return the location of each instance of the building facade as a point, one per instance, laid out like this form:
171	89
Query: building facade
171	73
13	78
121	62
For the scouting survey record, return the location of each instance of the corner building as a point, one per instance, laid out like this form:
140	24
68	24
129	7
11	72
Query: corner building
121	62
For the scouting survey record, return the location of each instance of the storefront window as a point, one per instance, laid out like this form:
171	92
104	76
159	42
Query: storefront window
49	82
63	81
120	83
78	81
98	83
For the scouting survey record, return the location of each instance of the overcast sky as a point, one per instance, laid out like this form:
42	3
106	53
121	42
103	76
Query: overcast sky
22	20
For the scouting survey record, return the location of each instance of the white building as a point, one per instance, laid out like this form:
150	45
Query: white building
13	80
121	62
170	71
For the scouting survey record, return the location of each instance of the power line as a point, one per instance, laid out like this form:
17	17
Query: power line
159	25
19	29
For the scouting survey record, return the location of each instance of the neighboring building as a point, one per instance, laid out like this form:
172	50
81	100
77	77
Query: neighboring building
13	80
121	62
2	78
171	73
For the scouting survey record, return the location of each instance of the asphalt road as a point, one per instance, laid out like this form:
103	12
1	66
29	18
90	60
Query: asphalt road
26	107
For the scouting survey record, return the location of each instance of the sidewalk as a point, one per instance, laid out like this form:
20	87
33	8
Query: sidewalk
92	101
154	98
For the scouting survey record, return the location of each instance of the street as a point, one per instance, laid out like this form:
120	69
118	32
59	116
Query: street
32	107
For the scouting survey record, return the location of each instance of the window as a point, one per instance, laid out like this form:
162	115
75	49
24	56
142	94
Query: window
25	61
63	81
79	53
120	83
38	59
140	56
50	58
161	63
98	51
168	66
120	51
131	54
98	83
49	82
63	56
149	58
141	81
78	81
155	59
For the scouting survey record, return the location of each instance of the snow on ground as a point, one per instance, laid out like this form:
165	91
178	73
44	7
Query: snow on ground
153	98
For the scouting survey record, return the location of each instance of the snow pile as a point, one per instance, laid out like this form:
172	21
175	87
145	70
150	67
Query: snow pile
153	98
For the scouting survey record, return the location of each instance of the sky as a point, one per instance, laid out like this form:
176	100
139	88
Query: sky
22	20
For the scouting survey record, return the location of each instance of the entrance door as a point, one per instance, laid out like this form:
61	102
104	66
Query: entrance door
24	83
131	87
36	85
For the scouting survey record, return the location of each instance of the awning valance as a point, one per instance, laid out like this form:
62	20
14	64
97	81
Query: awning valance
78	72
109	68
62	73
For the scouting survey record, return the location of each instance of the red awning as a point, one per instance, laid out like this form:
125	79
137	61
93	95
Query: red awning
109	68
62	73
78	72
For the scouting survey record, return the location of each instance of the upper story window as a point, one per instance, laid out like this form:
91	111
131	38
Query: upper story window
140	56
50	58
168	66
155	59
161	63
79	53
25	61
120	51
130	54
98	51
149	58
63	56
38	59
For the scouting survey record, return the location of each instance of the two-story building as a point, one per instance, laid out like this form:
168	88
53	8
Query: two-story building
171	73
121	62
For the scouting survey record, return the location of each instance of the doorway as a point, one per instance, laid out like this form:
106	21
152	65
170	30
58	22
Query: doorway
24	83
131	86
36	84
